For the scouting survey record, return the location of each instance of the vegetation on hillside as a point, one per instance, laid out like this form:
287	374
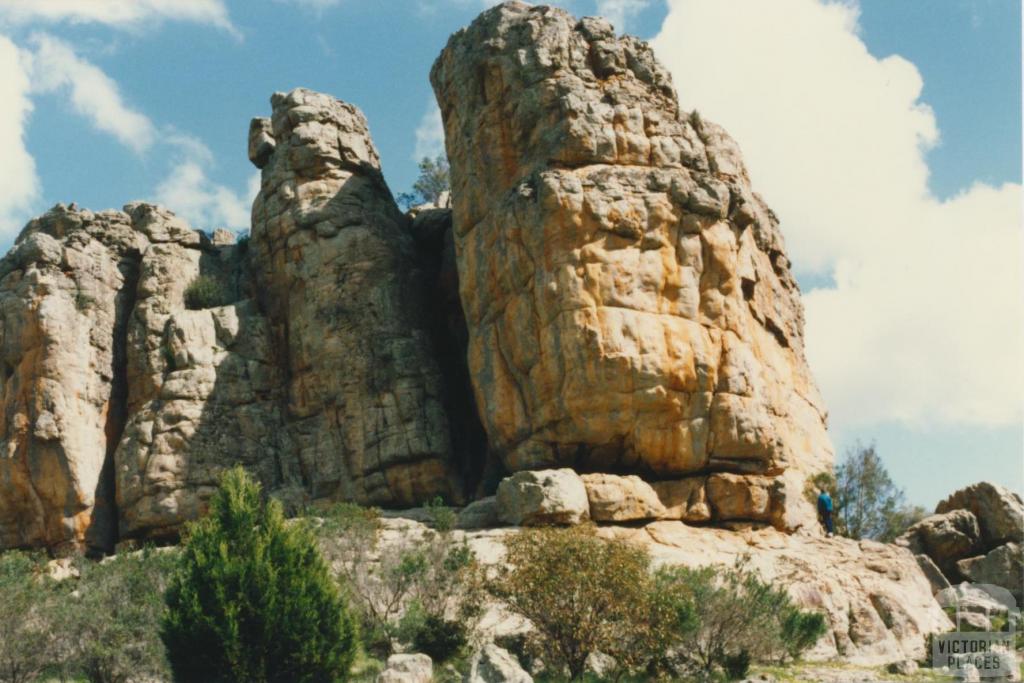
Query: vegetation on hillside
433	181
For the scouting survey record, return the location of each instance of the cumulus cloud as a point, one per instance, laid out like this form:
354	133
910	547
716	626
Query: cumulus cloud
19	185
429	134
924	321
190	193
620	11
93	94
118	13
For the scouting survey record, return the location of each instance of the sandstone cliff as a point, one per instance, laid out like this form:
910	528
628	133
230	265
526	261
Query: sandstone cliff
607	294
629	303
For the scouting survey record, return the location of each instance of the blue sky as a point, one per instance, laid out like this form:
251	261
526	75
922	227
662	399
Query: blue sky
933	376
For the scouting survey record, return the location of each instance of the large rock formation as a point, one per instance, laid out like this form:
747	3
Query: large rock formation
340	283
629	303
66	291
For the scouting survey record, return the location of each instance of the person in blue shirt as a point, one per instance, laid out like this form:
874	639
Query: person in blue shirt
825	511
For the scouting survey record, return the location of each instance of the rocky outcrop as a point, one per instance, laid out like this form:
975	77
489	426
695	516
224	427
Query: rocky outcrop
338	279
976	535
66	291
628	299
878	603
204	391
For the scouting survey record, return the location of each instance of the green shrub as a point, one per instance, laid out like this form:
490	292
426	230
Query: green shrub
112	620
206	292
737	666
735	613
253	599
27	643
432	634
585	595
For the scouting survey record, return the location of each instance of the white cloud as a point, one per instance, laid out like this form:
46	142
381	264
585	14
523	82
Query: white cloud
619	11
119	13
190	193
95	95
429	134
19	185
315	5
924	323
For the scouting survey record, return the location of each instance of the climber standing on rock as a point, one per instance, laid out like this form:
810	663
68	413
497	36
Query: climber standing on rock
825	511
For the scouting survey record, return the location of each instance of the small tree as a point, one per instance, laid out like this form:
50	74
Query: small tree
253	599
584	595
867	502
26	598
425	591
740	618
433	181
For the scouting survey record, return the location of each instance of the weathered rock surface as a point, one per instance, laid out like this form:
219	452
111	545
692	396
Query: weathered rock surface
977	534
541	497
1003	566
618	499
493	664
66	290
204	391
1000	512
945	538
407	668
338	279
628	299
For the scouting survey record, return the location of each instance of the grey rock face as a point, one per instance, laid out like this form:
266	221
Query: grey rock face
338	279
999	511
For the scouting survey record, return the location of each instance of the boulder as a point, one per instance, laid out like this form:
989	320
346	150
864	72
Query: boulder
684	499
931	572
1000	512
480	514
336	268
606	238
541	497
945	538
619	499
493	664
1002	567
407	668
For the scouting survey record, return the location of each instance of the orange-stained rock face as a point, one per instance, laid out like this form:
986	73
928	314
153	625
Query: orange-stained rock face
629	303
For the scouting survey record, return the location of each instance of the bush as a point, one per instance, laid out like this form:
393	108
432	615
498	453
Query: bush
206	292
585	595
112	621
27	644
737	616
253	599
403	590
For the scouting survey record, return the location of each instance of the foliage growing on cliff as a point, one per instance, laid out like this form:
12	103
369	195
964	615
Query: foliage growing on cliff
253	599
205	292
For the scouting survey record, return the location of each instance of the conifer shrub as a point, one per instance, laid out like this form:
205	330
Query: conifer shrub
253	599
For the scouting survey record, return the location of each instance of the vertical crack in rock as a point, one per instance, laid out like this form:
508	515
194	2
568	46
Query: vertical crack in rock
101	535
628	303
